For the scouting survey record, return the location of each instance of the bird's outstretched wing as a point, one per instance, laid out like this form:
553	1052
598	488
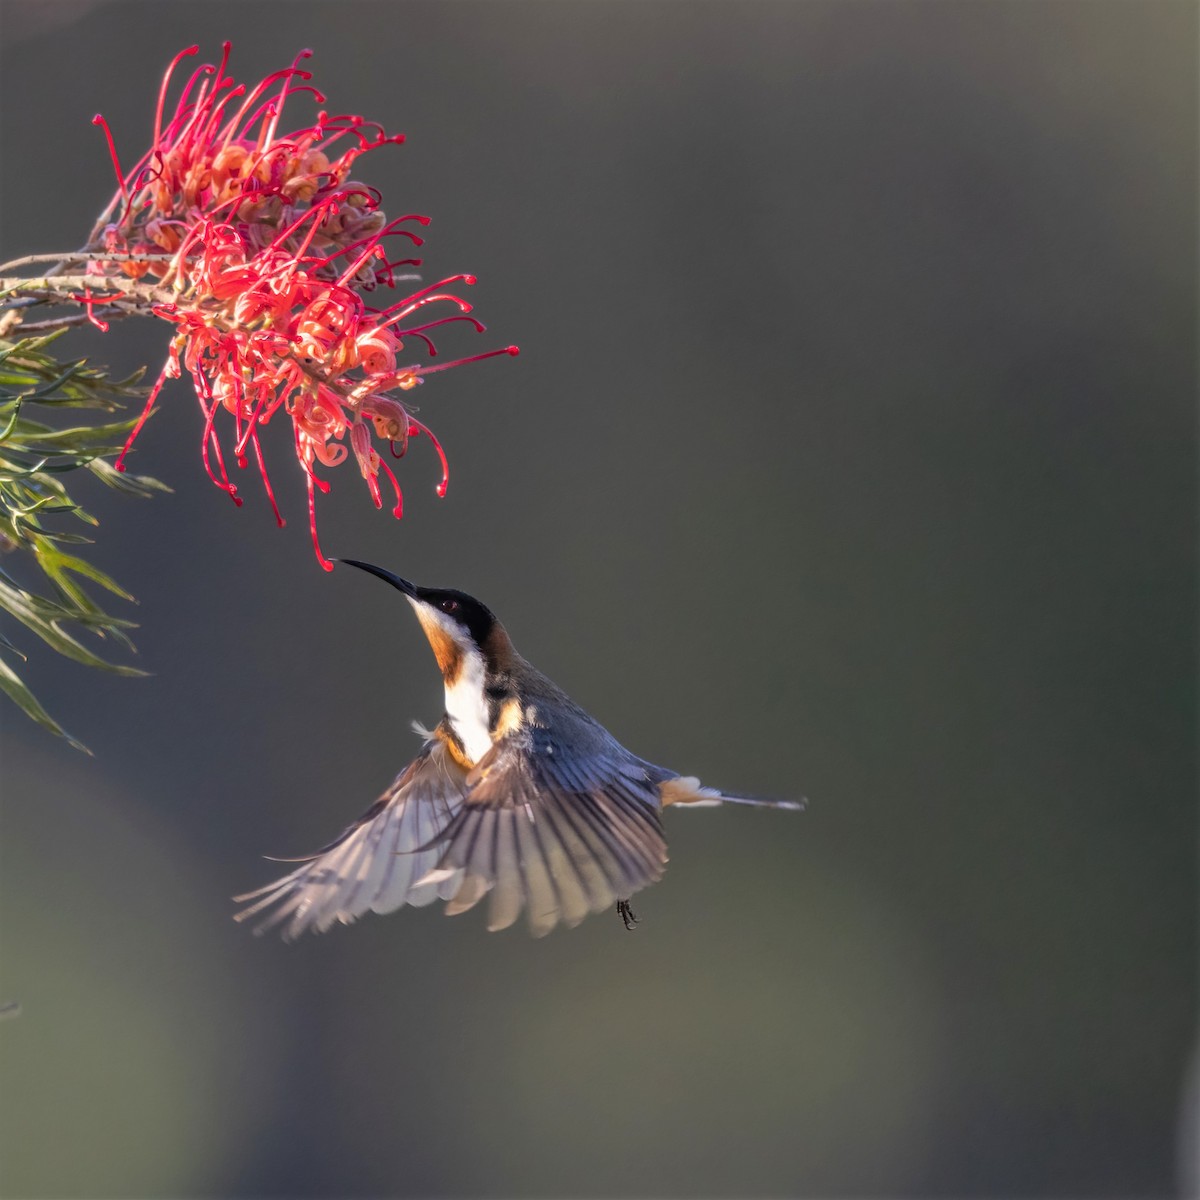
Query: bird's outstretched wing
558	834
378	863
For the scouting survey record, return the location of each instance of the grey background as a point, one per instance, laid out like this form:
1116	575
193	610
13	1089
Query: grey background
851	452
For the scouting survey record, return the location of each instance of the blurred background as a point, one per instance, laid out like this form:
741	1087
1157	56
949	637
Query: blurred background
851	453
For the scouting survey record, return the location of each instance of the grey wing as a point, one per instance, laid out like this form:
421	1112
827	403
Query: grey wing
378	863
559	835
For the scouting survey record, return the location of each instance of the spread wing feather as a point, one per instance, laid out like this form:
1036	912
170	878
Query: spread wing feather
377	864
557	835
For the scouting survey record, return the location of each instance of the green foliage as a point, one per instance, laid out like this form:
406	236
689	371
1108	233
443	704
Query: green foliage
35	460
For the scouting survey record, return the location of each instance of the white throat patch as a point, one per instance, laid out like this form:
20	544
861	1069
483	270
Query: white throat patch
466	705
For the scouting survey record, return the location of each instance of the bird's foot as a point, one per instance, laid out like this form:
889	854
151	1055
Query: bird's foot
625	912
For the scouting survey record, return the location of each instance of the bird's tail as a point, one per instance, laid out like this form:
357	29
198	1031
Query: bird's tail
688	791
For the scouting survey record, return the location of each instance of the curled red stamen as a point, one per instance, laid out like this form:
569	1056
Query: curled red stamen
89	303
415	427
162	91
398	511
98	119
262	470
145	415
467	279
512	351
480	327
312	524
209	406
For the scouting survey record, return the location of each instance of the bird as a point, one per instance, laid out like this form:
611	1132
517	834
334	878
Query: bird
518	794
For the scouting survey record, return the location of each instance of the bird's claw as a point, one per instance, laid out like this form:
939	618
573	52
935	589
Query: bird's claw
626	913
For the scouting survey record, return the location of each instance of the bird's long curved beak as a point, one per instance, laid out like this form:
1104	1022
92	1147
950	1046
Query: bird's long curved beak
402	584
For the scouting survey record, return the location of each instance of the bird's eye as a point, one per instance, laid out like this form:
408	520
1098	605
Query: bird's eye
449	606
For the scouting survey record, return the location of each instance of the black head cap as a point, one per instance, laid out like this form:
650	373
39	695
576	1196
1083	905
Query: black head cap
469	614
465	611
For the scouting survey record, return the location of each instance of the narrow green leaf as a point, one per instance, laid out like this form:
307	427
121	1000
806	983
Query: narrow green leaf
42	616
124	481
55	564
11	683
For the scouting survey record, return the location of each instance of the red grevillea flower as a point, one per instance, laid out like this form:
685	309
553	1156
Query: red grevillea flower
259	247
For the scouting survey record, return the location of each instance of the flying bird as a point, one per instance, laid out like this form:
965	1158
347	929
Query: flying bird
518	794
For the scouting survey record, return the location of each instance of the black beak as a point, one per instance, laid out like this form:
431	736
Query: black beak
402	584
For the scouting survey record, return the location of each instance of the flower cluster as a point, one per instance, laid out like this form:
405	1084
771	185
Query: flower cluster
259	247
